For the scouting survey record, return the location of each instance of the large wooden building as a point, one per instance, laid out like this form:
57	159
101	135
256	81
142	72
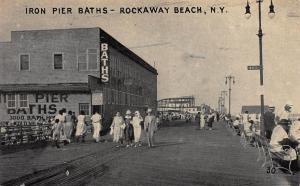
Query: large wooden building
84	69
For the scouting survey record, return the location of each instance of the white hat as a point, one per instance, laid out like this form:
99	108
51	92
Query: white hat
137	112
149	110
289	103
128	112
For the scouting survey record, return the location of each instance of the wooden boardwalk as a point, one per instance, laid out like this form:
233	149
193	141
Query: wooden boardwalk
183	156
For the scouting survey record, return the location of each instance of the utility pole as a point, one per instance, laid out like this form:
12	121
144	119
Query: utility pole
223	95
229	80
260	67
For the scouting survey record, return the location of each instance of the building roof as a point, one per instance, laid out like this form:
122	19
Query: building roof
66	87
253	109
177	98
124	50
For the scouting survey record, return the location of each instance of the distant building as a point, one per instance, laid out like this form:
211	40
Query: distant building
43	71
179	104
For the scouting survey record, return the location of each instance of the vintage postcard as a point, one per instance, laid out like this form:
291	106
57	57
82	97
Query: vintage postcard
149	92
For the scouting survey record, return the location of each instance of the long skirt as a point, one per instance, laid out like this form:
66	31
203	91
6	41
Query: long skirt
62	135
80	129
97	128
68	129
129	136
118	134
150	138
209	124
202	123
137	134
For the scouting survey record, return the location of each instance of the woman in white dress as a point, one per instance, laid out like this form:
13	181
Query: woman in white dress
68	127
202	120
61	118
96	121
136	122
80	128
117	128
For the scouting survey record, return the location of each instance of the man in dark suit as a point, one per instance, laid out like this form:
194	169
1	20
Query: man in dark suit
269	122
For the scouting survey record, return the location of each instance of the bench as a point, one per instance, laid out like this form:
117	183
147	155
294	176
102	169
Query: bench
271	157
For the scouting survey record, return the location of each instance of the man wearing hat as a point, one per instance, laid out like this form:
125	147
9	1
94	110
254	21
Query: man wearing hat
279	140
150	127
269	122
285	115
129	136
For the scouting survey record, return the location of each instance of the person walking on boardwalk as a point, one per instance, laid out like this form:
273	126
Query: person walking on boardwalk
197	120
136	122
202	120
129	136
117	129
63	136
57	127
69	125
211	119
150	127
96	121
80	128
61	117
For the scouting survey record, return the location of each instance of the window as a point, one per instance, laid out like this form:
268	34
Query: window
23	101
85	107
11	101
24	62
88	60
58	61
82	64
92	59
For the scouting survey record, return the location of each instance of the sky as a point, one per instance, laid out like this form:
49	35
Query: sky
193	53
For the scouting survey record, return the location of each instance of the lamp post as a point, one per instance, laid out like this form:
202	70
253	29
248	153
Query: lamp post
260	36
229	79
220	104
223	94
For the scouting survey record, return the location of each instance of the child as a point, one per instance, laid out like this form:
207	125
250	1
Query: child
57	127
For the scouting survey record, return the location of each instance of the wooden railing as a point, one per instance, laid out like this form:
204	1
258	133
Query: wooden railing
22	134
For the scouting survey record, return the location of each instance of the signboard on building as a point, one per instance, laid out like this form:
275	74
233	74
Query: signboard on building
104	62
97	98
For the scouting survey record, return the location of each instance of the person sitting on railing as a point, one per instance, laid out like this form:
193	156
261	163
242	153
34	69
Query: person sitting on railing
236	125
280	143
248	125
250	131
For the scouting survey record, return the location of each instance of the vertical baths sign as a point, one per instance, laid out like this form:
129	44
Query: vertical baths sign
104	62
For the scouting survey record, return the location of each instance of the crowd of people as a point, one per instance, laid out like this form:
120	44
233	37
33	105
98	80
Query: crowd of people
206	119
125	130
281	131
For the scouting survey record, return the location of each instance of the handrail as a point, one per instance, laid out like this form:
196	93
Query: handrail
21	134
